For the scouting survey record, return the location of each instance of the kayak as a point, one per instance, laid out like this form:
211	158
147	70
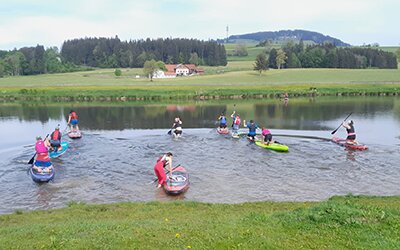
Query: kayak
75	134
179	182
222	131
42	176
274	146
64	146
342	142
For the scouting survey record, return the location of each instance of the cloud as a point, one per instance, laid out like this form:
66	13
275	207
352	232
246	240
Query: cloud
48	22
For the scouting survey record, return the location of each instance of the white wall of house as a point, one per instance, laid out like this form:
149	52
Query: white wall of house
161	74
182	70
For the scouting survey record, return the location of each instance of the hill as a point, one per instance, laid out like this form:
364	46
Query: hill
289	35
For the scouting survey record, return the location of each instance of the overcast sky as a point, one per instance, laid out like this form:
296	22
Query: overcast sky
50	22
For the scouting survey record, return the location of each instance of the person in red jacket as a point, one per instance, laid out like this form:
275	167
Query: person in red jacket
55	140
73	120
162	162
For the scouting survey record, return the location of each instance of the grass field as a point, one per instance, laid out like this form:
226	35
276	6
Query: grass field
340	223
228	82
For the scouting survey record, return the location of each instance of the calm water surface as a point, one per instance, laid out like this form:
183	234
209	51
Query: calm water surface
114	160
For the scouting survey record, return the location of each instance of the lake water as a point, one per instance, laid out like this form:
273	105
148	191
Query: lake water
114	160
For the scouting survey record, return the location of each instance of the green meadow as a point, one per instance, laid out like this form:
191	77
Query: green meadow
349	222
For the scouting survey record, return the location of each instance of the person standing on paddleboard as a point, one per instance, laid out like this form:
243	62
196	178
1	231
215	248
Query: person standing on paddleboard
235	122
252	126
351	132
162	162
73	120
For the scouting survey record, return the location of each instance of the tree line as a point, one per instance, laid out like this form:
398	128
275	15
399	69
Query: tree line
33	61
113	53
329	56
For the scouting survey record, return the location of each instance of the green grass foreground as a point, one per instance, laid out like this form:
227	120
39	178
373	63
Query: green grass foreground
354	222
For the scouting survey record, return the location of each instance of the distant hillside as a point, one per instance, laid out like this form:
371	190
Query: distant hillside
290	34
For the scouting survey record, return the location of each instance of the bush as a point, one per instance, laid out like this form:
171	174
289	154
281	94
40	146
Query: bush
118	72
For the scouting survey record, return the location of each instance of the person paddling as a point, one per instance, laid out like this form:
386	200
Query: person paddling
351	132
235	122
73	121
55	140
42	162
177	126
162	162
267	136
222	121
252	126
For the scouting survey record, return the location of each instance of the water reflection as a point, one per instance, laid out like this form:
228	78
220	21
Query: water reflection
302	113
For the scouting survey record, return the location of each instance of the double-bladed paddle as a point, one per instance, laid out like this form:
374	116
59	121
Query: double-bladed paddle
334	131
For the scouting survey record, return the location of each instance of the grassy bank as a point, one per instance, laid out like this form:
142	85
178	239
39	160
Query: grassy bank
341	222
233	81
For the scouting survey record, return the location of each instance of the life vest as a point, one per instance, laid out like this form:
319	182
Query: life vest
74	116
237	120
223	120
43	157
56	135
351	130
40	147
163	159
252	127
266	132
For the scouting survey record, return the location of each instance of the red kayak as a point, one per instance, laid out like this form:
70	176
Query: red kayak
178	183
223	131
342	142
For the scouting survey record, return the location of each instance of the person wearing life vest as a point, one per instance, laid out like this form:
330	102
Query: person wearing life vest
42	162
177	126
55	140
351	132
162	162
252	126
235	122
222	120
73	120
267	136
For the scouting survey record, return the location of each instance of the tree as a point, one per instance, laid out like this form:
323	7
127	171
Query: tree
261	63
272	58
2	68
194	59
151	67
117	72
280	58
240	50
398	54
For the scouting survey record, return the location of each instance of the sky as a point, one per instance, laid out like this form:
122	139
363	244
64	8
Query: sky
51	22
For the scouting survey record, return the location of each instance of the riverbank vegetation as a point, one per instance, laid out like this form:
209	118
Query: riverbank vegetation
341	222
236	81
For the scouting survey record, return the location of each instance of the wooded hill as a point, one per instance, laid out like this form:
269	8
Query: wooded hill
284	35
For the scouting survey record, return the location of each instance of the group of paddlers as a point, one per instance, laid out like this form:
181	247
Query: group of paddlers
44	146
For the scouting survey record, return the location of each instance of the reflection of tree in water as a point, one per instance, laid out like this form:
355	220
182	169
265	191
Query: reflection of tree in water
300	114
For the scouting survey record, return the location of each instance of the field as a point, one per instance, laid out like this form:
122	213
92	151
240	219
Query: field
348	222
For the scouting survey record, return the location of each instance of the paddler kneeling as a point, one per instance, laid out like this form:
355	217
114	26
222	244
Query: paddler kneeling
162	162
267	136
351	132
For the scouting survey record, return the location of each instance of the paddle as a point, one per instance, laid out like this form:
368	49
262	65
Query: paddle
30	162
334	131
166	173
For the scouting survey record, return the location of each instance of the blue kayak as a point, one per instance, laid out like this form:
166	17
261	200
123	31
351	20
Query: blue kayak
64	146
42	176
